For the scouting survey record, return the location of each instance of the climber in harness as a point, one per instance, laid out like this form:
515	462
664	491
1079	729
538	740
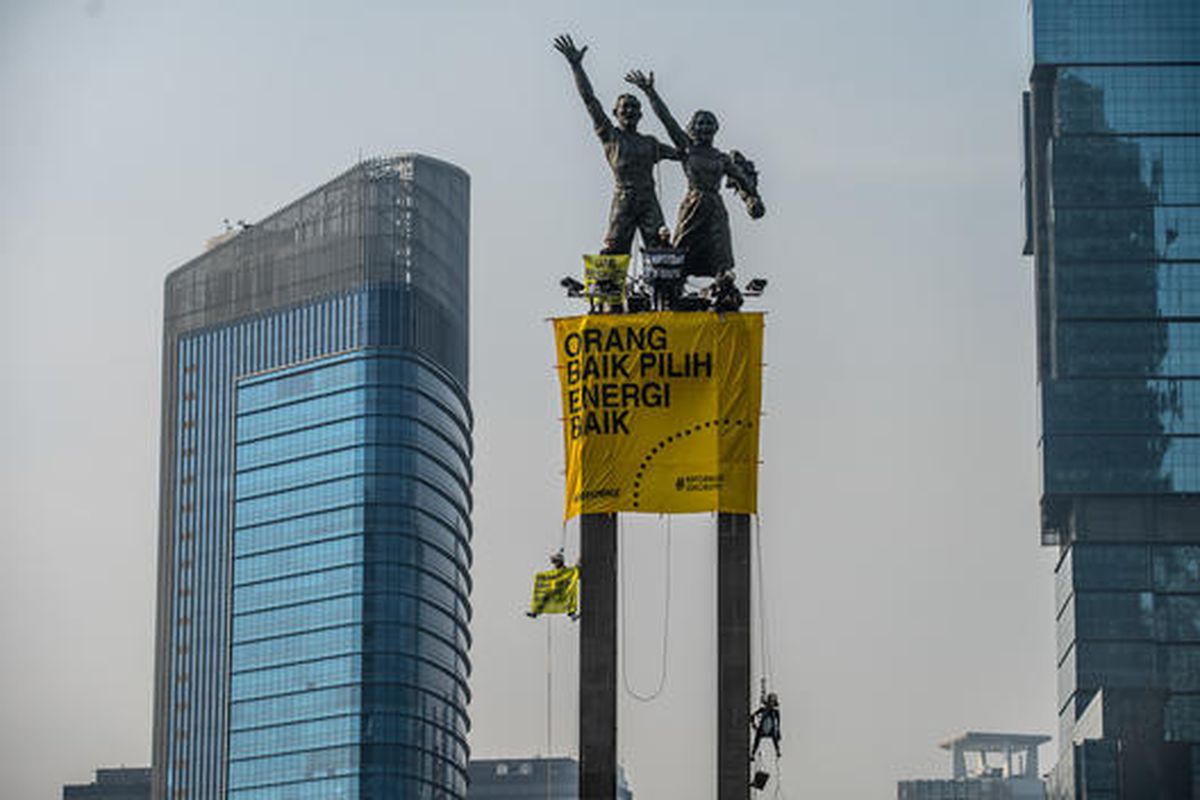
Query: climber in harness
765	722
556	591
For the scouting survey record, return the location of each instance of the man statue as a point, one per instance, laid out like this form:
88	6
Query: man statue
631	155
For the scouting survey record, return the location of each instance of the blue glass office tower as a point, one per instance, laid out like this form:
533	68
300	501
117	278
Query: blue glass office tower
1113	211
315	499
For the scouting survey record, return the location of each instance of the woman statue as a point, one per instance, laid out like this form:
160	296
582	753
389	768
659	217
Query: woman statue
703	225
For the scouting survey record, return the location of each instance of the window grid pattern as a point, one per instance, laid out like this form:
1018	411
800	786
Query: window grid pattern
349	636
1147	234
1115	31
1128	406
1160	171
208	364
1118	290
1128	99
1129	617
1123	236
204	428
1113	157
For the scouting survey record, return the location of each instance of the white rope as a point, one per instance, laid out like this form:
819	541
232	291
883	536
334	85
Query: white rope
768	676
549	692
779	793
764	650
549	704
666	625
760	765
562	545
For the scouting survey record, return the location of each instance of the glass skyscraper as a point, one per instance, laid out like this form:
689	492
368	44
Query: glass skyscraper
315	528
1113	218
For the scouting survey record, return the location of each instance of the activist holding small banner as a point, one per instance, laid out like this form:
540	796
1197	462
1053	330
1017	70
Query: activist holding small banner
605	278
555	591
660	411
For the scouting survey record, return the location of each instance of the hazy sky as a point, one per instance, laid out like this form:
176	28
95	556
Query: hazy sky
907	598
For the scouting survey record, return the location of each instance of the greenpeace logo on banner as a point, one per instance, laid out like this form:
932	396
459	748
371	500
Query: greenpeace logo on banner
595	494
660	411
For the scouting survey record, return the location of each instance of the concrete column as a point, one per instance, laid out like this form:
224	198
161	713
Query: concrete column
598	658
733	656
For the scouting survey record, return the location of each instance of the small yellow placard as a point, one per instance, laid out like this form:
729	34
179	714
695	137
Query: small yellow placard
555	591
604	278
660	411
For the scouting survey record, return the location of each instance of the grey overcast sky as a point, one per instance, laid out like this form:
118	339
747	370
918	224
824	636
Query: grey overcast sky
907	598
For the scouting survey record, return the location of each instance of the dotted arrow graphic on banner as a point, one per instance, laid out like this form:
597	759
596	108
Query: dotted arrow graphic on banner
679	436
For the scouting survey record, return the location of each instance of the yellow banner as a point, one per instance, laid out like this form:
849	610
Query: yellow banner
604	277
555	591
660	411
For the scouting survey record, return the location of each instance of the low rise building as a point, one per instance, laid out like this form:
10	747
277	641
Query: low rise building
986	766
119	783
549	778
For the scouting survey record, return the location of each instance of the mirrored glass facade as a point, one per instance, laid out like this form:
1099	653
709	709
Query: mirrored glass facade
1112	124
350	586
315	519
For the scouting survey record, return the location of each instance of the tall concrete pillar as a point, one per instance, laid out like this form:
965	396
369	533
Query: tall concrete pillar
733	656
598	658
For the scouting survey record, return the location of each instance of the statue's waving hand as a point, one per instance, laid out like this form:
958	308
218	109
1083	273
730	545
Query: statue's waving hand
566	45
642	80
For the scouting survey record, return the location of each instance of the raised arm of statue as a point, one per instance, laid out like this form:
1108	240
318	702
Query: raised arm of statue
574	56
645	82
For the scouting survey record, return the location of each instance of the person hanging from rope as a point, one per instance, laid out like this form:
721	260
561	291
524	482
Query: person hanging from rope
765	722
556	591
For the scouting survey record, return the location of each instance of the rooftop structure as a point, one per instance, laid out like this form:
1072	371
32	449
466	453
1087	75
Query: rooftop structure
113	783
1020	752
976	777
525	778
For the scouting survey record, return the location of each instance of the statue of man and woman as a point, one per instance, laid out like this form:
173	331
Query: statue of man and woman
702	228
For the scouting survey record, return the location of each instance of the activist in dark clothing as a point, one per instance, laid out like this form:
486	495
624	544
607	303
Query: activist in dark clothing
632	157
766	724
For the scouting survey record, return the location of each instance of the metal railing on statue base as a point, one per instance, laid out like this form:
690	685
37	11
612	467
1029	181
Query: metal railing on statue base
661	284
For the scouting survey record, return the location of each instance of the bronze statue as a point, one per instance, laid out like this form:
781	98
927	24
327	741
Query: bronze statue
703	226
631	155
